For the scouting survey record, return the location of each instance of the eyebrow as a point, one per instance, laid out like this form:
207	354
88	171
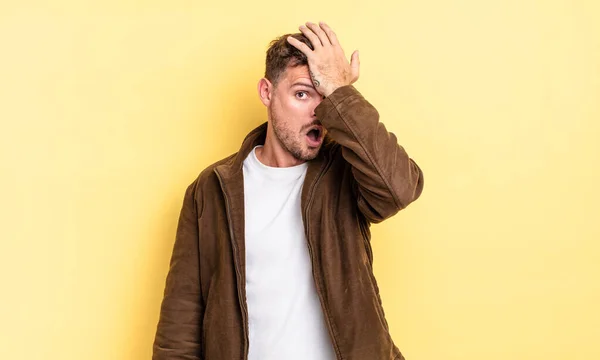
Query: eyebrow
303	84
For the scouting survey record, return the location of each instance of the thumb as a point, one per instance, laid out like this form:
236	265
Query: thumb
355	65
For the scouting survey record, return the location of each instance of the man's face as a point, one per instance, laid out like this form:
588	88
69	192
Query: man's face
292	115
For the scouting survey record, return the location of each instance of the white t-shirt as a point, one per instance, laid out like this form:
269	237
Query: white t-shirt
285	316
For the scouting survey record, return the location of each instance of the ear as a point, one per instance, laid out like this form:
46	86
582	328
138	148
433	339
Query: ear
265	91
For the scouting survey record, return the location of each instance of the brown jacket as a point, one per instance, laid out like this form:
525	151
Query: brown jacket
361	176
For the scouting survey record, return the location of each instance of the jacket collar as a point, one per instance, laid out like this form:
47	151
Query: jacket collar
232	184
231	171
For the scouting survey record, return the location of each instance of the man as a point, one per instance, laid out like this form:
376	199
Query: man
272	258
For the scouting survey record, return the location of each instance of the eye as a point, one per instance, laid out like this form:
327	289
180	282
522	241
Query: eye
301	94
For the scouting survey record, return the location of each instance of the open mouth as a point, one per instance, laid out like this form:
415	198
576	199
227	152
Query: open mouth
315	136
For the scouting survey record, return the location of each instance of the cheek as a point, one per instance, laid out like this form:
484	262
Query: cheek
296	112
302	109
292	105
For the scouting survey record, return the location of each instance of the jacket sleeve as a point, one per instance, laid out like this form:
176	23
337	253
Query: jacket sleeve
179	329
387	179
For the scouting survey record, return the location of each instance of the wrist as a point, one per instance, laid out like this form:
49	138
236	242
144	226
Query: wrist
330	89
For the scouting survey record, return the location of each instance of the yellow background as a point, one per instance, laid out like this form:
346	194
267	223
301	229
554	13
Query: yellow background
109	109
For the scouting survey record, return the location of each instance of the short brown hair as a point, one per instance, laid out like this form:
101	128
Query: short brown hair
281	54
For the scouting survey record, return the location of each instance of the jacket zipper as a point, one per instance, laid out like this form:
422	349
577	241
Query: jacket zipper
310	251
237	271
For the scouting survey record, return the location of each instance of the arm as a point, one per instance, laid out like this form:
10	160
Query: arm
387	179
180	325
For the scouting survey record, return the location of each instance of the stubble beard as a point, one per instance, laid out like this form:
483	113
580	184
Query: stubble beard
291	141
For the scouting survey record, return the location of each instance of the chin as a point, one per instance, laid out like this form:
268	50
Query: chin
311	153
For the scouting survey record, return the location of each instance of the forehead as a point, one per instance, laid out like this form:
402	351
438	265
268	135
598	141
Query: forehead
294	73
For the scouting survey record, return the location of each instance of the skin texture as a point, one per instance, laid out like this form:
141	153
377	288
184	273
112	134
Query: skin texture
292	101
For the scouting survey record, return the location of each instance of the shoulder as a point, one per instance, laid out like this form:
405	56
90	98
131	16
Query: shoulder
208	177
205	184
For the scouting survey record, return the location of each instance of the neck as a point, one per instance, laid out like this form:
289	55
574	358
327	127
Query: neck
274	154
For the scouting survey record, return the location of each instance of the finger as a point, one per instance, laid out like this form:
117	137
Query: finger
330	34
320	33
314	39
355	66
300	46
